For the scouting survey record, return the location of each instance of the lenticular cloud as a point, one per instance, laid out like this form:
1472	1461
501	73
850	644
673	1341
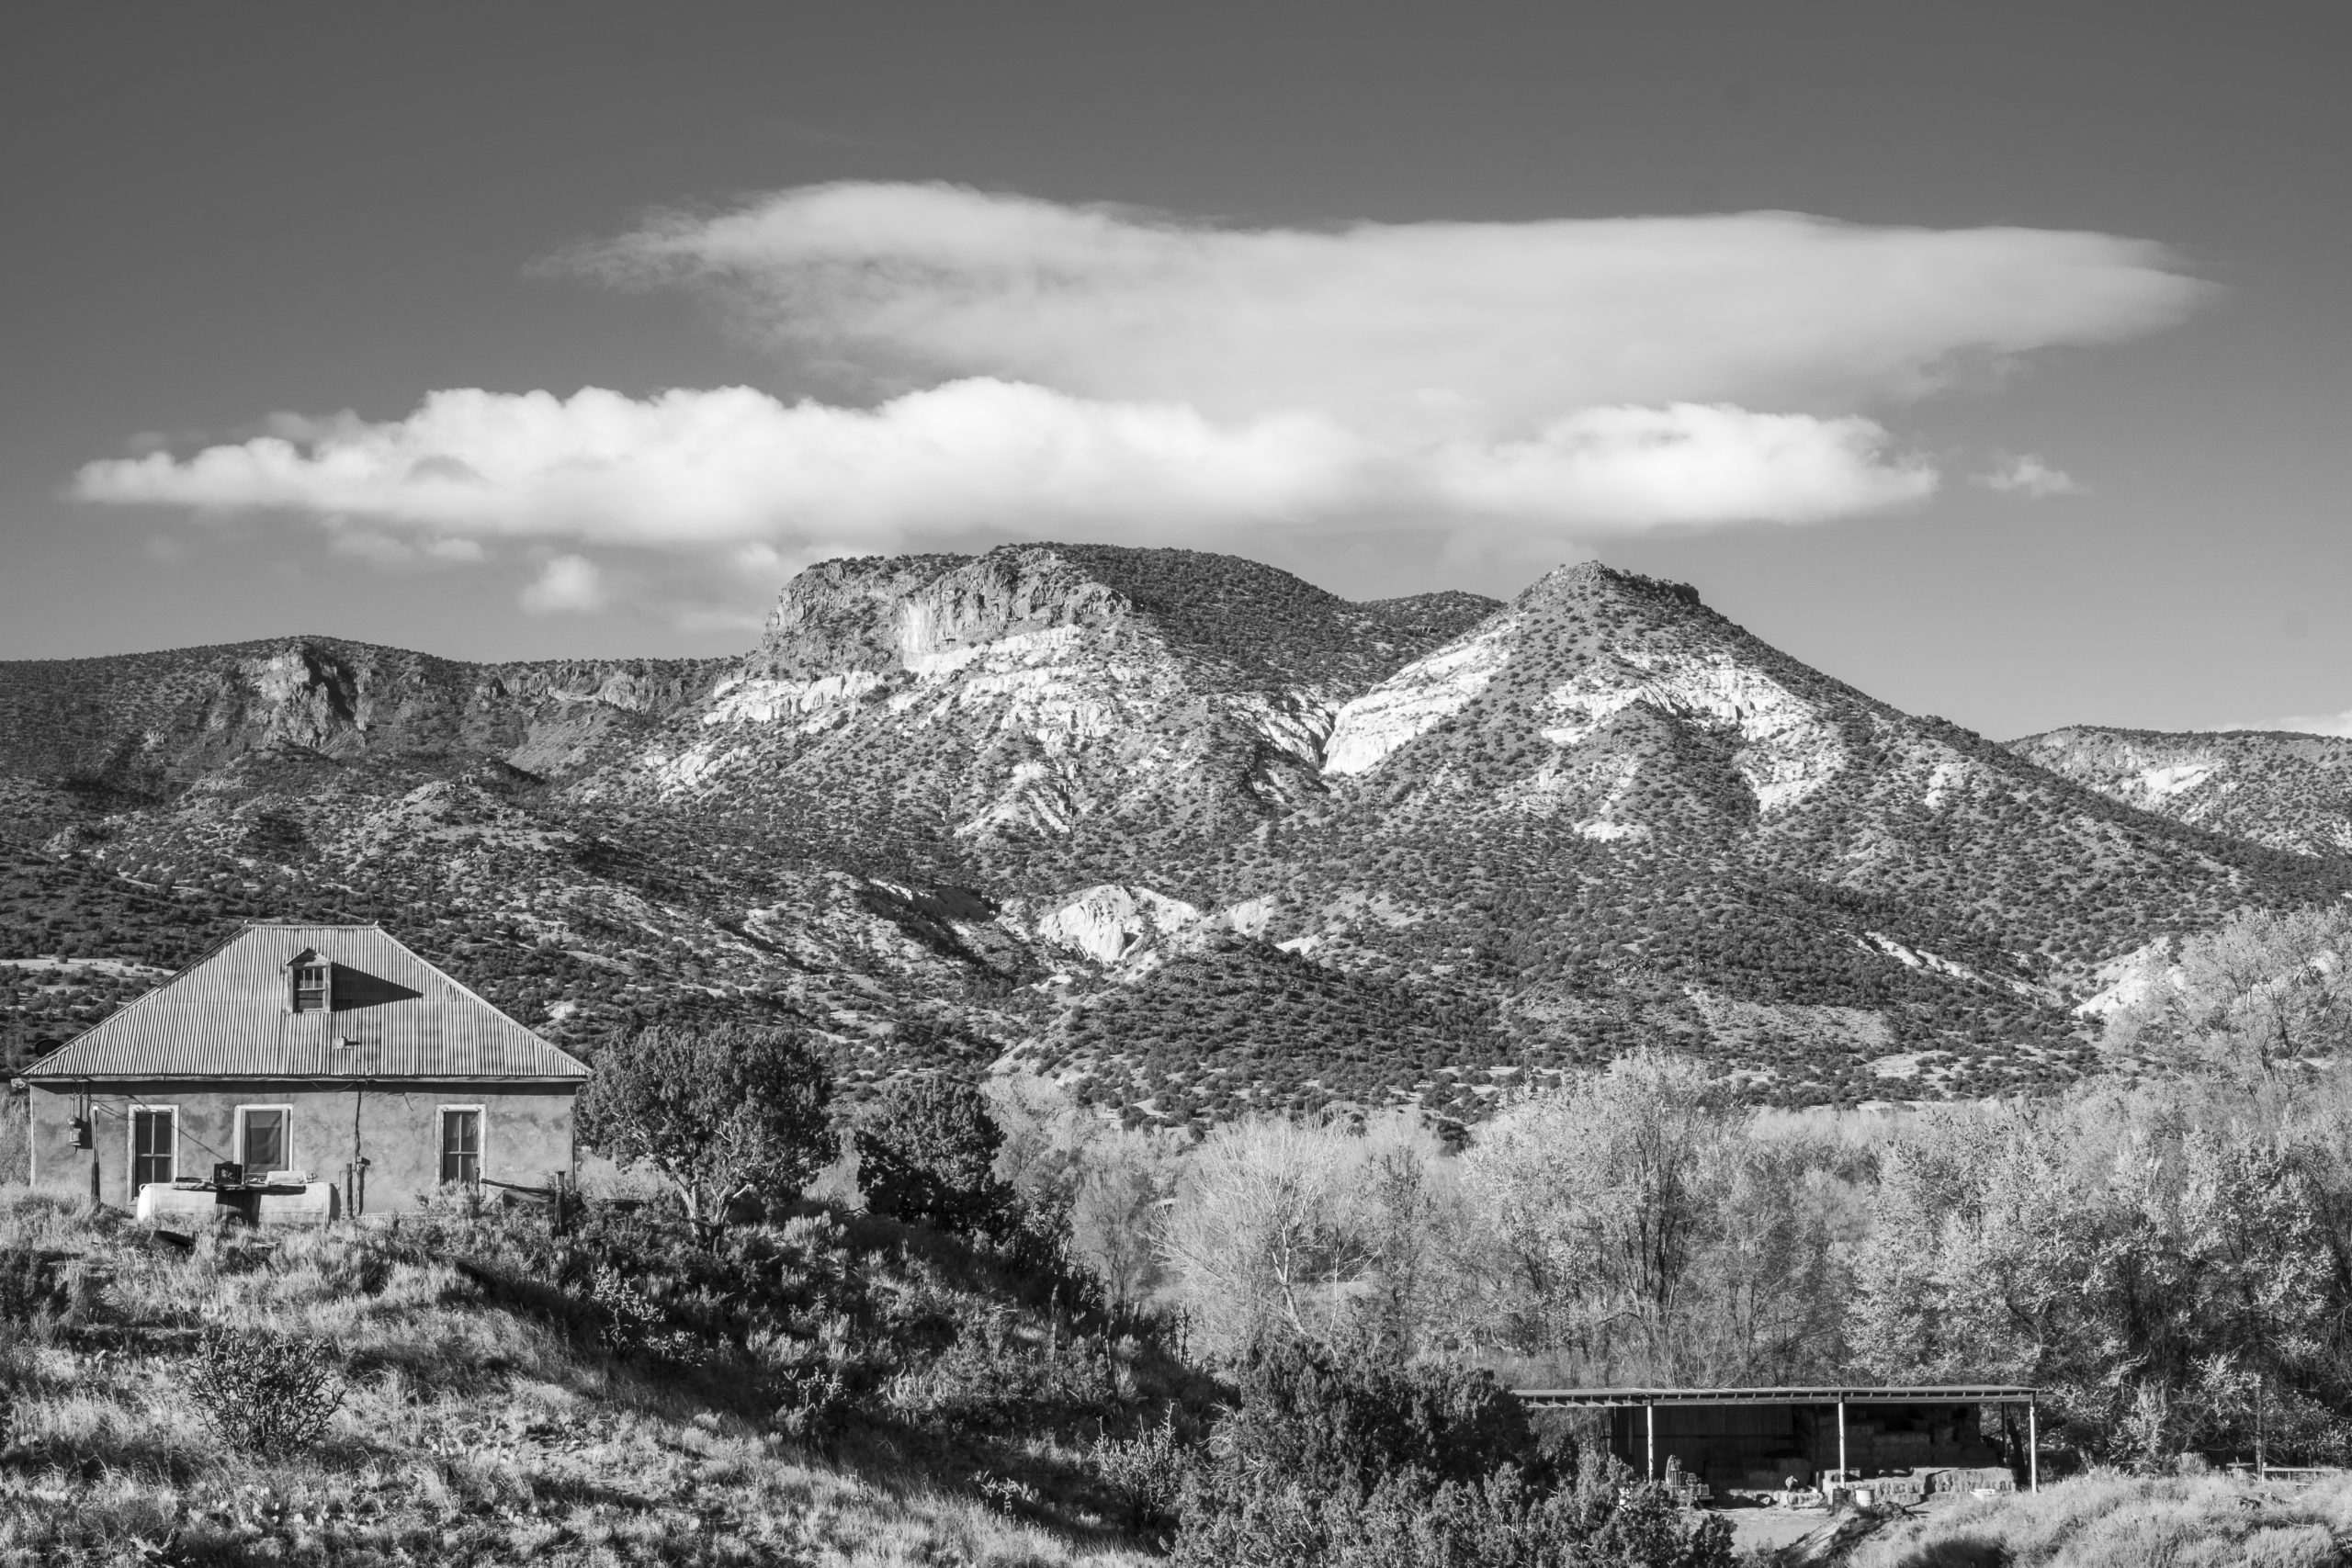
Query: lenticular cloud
734	465
1026	368
1505	324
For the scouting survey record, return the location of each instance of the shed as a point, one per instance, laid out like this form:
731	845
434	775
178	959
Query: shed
1758	1437
330	1056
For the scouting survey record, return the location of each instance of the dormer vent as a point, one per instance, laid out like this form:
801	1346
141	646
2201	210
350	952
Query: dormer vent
312	984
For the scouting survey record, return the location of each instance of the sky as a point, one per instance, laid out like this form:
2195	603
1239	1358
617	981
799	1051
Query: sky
1995	358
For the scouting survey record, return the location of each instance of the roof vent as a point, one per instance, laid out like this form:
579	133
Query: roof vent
343	1042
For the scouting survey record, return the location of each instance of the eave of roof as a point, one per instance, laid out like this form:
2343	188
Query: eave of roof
1810	1394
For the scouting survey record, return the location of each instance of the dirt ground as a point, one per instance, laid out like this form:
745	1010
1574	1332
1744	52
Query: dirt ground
1768	1529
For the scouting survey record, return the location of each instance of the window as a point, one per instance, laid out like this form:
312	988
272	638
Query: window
461	1143
154	1145
311	992
263	1143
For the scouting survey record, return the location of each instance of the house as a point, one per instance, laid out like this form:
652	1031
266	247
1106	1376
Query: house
328	1052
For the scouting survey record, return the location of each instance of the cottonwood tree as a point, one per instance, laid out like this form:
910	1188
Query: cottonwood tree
1318	1230
1602	1195
2154	1274
1259	1234
717	1110
2260	992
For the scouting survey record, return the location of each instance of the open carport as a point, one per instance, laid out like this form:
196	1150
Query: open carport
1757	1438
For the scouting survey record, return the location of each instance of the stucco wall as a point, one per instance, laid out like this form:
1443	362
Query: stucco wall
526	1133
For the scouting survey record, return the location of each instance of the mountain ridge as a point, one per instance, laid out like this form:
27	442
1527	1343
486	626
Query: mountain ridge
1183	829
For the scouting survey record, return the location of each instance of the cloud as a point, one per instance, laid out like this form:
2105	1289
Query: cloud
1015	367
2028	476
1513	322
567	583
736	467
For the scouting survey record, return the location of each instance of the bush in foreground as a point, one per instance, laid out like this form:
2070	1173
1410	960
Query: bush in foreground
265	1393
1352	1461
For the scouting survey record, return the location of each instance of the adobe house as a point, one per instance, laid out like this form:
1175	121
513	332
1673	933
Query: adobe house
331	1052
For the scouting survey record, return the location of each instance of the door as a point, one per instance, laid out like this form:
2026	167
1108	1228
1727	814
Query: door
155	1146
462	1146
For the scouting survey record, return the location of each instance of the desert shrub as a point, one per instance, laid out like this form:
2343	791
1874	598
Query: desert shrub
1337	1462
631	1323
1337	1422
1145	1474
32	1286
998	1376
265	1393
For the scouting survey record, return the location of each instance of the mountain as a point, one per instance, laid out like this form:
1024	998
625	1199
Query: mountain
149	722
2289	791
1181	829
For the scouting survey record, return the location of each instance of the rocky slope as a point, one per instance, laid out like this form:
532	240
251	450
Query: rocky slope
1178	827
2290	791
152	722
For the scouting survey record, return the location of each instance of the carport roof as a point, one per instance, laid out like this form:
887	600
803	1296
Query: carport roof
1810	1394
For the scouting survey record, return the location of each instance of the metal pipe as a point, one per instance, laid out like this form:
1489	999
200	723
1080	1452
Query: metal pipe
1841	1441
2032	1446
1649	1417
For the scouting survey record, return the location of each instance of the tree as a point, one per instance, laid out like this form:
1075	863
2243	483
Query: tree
927	1153
1602	1195
2260	992
716	1110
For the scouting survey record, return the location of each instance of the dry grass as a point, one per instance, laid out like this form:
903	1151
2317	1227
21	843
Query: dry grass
469	1433
2120	1521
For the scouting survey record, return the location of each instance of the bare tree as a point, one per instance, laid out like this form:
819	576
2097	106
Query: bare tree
2260	992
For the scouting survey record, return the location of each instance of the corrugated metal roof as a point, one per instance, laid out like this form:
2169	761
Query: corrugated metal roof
227	1015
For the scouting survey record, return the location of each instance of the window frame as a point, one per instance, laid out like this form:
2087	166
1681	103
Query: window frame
325	1001
441	1115
285	1136
130	1144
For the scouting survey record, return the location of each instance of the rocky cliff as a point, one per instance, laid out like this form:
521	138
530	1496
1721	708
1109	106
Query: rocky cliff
1181	829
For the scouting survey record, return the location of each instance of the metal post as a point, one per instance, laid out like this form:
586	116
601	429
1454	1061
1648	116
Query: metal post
2032	1446
1649	1418
1841	1439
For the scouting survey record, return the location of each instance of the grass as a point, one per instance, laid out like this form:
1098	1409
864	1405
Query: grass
2107	1521
470	1431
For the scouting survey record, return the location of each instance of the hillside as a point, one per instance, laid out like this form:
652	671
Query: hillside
1187	831
2287	791
509	1394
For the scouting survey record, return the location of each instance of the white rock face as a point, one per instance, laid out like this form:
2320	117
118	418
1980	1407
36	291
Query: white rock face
1106	920
2131	979
1786	752
2158	783
754	700
1414	699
